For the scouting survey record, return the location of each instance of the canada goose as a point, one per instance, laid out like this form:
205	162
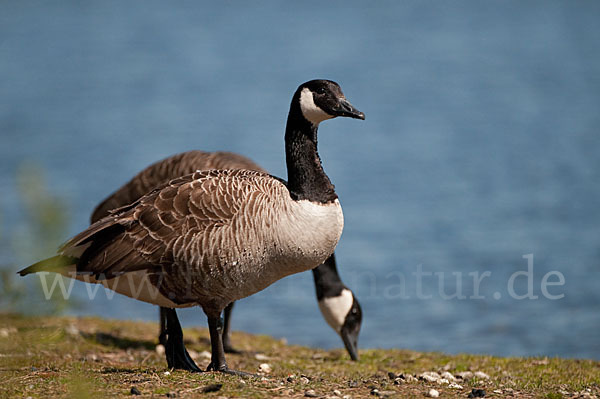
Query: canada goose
342	314
216	236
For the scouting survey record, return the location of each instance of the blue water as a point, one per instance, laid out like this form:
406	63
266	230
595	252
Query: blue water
481	145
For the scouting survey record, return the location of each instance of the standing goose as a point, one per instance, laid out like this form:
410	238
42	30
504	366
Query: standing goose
337	303
216	236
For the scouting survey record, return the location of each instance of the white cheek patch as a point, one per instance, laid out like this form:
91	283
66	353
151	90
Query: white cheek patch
310	110
335	309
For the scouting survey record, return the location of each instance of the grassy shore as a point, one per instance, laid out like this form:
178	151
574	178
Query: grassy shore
92	357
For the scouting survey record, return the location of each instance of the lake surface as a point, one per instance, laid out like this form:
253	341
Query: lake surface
481	146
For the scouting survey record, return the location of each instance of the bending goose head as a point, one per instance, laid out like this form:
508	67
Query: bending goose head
339	306
351	328
323	99
343	313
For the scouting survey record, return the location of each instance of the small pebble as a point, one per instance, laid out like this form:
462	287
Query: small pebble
171	395
135	391
352	384
375	391
205	354
304	380
347	397
454	385
477	393
465	375
482	375
336	392
167	373
72	330
160	349
212	388
448	376
310	393
432	393
265	368
430	376
392	376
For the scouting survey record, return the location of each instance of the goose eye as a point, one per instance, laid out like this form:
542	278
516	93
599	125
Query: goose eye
321	90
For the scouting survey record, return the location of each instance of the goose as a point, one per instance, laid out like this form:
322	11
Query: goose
215	236
337	303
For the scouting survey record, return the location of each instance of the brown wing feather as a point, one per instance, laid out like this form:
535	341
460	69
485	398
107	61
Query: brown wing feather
170	168
170	224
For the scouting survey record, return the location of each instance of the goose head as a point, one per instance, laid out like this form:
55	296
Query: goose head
343	313
320	100
351	328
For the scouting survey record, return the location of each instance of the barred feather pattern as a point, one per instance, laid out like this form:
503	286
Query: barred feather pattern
211	237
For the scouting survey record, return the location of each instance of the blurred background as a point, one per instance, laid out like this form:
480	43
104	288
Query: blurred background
481	145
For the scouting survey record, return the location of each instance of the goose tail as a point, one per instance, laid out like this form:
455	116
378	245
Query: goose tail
60	264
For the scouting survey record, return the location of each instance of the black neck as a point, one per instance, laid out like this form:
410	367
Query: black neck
306	177
327	280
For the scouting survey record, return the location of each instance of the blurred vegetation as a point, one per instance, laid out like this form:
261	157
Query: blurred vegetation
45	213
44	228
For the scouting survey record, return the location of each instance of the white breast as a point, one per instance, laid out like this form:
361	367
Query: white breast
317	227
305	234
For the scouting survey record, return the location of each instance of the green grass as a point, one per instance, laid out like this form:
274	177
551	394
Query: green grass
95	358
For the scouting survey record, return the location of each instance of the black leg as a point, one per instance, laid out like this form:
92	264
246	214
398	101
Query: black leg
162	334
217	361
177	356
226	330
